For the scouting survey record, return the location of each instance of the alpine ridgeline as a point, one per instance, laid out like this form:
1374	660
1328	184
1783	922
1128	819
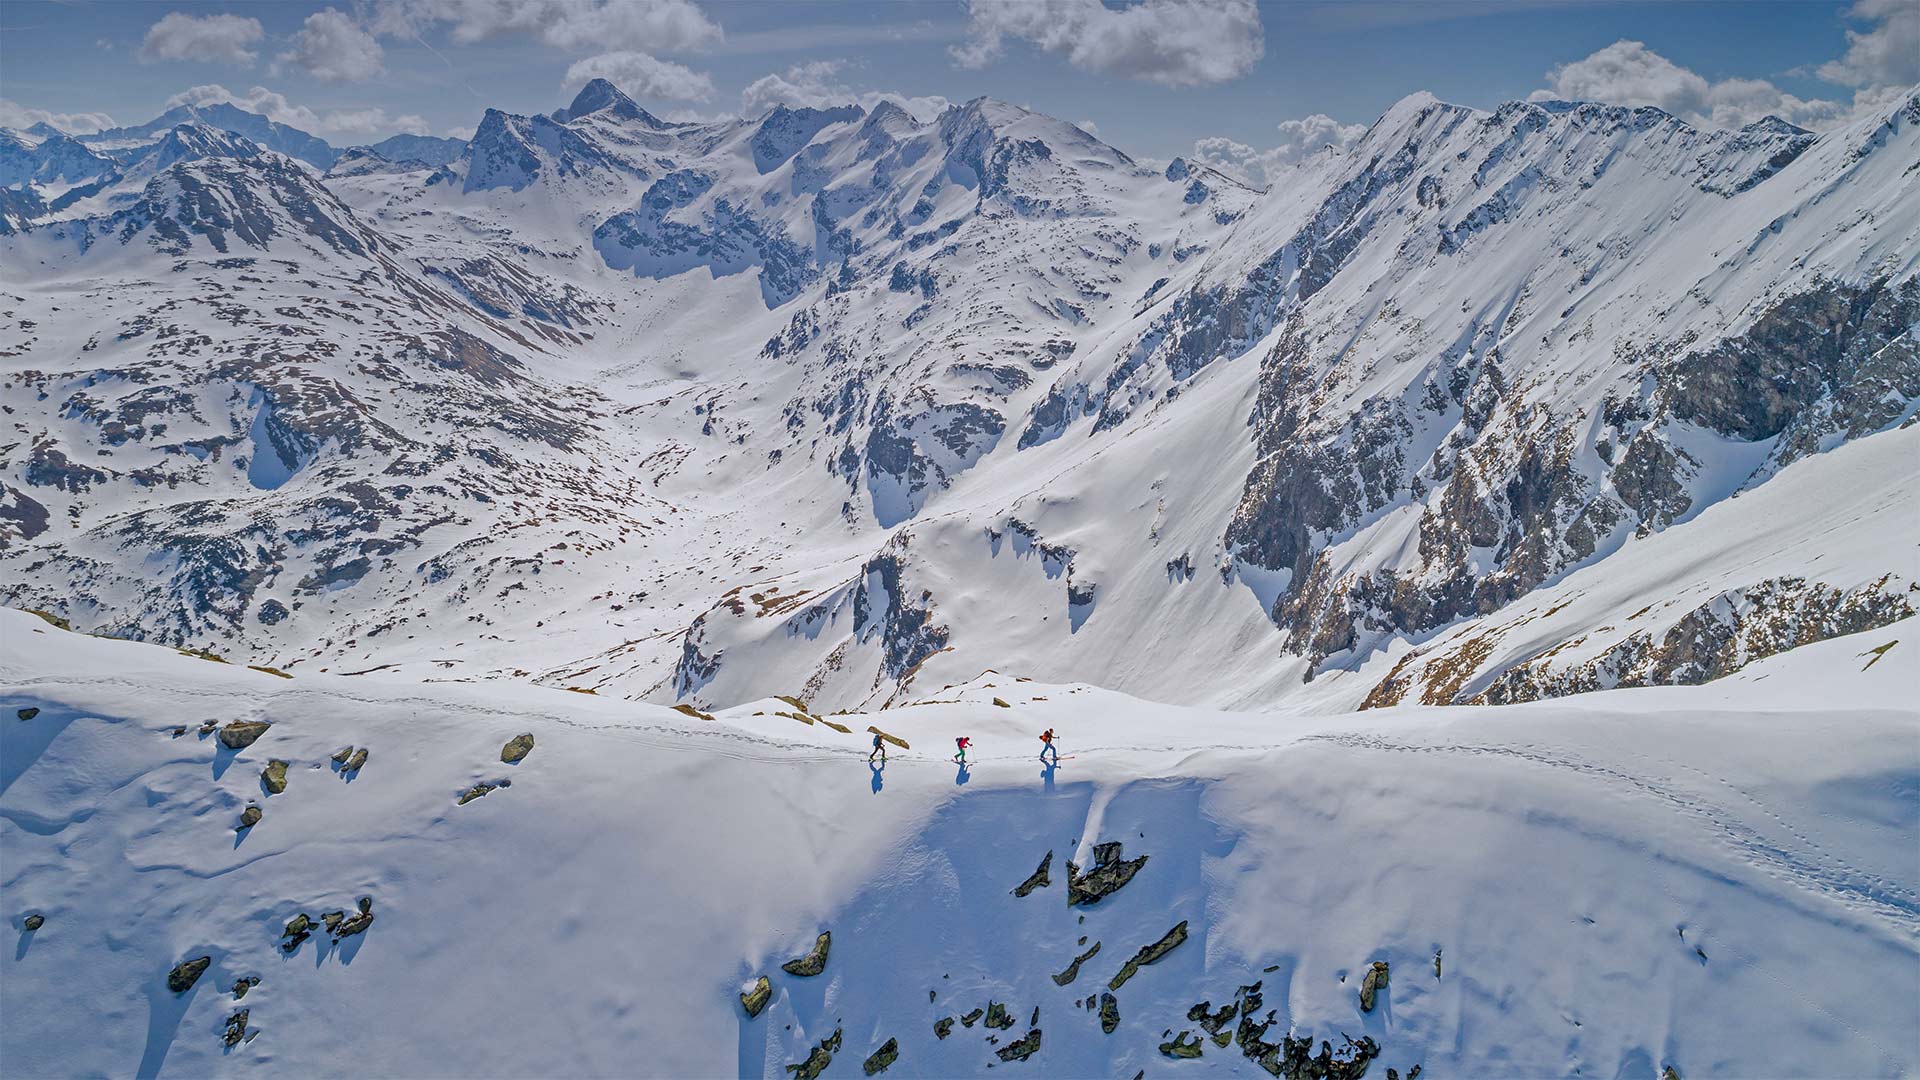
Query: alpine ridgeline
851	404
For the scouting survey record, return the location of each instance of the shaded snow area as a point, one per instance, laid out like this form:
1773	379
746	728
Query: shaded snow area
1720	879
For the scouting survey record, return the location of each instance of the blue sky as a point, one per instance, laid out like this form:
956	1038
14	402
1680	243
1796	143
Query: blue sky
1255	82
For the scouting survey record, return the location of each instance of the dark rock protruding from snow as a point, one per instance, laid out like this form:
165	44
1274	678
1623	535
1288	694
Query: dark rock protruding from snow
517	748
815	961
240	734
1073	969
1022	1048
818	1060
878	1061
1150	954
1109	1013
756	999
186	973
1374	982
1039	879
1108	874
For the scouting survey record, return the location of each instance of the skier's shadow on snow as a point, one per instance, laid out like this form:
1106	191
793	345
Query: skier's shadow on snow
1046	775
165	1010
878	769
962	776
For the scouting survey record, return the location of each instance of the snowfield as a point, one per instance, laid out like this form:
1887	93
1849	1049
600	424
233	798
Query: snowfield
1719	878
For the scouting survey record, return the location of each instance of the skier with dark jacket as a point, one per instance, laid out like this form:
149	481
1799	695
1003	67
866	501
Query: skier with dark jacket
961	744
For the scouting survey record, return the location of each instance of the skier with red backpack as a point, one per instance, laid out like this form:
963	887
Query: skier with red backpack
1047	747
961	744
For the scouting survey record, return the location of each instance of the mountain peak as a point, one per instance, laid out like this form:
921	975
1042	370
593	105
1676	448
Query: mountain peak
599	95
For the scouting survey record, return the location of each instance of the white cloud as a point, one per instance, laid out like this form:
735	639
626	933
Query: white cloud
275	106
1088	126
640	75
331	47
1171	42
1300	139
15	115
817	85
644	25
460	132
1630	73
1887	55
202	38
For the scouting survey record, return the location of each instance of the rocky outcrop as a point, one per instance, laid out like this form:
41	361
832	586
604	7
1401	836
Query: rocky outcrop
240	734
1022	1048
1183	1045
815	961
943	1027
236	1028
517	748
1372	983
1073	969
186	973
33	922
818	1059
997	1016
878	1061
274	777
1039	879
27	713
298	929
248	819
1109	1013
755	998
1108	873
1150	954
241	986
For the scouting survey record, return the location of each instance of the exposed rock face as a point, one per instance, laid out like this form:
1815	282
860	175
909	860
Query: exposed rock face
1211	1020
1149	954
274	776
943	1027
1073	969
1183	1045
1109	1013
1374	981
1039	879
236	1028
818	1060
755	999
240	734
878	1061
997	1016
1022	1048
1108	874
815	961
186	973
517	748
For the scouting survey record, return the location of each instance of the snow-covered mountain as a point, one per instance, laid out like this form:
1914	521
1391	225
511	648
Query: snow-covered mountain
843	404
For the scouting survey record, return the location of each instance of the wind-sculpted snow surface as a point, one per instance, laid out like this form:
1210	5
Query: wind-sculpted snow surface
555	405
1716	879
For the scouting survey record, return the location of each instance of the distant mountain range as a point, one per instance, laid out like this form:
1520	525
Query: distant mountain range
847	405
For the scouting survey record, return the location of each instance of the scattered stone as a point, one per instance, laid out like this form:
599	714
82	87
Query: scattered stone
1294	1059
28	713
1109	1013
1181	1047
815	961
341	755
1039	879
756	999
932	997
179	731
355	762
969	1019
1150	954
1270	969
1108	874
186	973
1375	981
332	919
240	734
1222	1038
1211	1020
274	776
1669	1073
236	1028
474	792
943	1027
299	929
1002	704
1082	941
517	748
33	922
819	1059
1073	969
888	1053
248	819
1022	1048
1035	1021
688	710
241	986
207	728
1436	963
343	928
997	1017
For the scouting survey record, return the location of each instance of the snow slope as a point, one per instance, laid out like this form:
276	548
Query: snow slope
1565	859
